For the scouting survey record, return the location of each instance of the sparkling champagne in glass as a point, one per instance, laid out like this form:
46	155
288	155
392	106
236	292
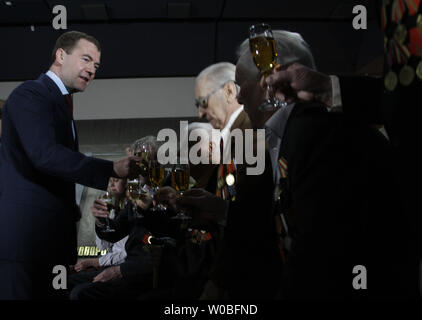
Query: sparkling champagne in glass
109	201
180	175
156	174
180	178
264	53
135	193
146	149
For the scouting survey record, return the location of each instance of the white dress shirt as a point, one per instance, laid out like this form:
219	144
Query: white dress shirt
116	254
63	90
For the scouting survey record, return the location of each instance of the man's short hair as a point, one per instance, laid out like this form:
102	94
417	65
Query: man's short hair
68	40
290	48
218	74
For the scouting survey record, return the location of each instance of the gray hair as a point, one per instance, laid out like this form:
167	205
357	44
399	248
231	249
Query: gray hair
218	74
290	47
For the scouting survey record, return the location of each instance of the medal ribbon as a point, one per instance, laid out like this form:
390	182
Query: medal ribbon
415	36
282	166
383	17
412	6
398	9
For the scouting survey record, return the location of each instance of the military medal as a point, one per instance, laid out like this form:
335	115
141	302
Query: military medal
419	70
226	181
400	34
390	80
277	192
406	75
230	179
397	10
412	6
419	20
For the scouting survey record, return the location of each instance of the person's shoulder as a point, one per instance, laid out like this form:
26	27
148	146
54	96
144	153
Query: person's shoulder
307	109
29	87
310	121
314	113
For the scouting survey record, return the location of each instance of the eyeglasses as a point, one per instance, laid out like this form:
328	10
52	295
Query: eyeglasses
203	102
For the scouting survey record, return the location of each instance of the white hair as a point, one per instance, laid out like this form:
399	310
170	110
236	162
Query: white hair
200	125
218	74
291	47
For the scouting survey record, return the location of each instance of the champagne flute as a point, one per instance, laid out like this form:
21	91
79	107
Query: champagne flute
135	193
157	177
180	175
109	200
146	149
156	174
142	152
264	54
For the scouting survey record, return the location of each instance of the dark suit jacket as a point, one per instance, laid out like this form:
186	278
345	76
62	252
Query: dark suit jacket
343	208
248	264
366	99
138	262
39	169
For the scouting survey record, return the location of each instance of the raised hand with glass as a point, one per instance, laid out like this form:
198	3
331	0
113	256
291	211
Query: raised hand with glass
109	200
135	194
264	53
180	175
157	175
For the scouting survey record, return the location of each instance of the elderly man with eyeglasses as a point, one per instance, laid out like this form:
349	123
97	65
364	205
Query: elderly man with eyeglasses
248	263
216	99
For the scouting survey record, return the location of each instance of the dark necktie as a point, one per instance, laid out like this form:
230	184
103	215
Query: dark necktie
69	102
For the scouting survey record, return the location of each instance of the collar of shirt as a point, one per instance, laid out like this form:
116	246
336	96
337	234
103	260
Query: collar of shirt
57	81
232	119
277	123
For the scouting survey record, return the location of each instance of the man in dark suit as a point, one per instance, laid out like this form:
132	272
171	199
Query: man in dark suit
40	165
247	263
336	192
390	100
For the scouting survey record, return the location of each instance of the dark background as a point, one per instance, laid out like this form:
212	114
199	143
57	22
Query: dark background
161	38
